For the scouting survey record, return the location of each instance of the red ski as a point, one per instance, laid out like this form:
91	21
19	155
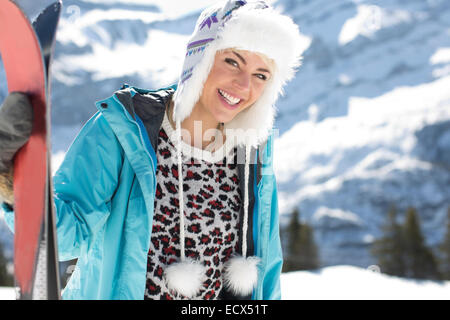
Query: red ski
26	55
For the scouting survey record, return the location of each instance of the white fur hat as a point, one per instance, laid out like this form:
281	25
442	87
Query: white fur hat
242	25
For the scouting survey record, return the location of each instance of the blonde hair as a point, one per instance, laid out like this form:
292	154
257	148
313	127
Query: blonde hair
270	62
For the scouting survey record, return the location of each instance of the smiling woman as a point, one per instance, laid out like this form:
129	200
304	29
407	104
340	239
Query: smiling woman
236	80
238	59
150	213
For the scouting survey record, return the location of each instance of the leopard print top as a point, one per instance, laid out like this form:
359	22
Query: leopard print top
212	205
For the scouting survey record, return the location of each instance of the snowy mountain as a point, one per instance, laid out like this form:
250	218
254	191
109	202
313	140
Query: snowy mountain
373	125
364	125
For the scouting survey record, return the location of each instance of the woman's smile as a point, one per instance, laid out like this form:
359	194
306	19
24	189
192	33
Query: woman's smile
230	101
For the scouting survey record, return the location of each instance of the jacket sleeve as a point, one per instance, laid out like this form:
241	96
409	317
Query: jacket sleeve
271	284
84	186
272	290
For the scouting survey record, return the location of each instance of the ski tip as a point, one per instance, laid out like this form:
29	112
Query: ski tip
57	5
55	8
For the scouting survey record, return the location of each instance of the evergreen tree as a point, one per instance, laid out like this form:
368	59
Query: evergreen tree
6	280
308	258
445	251
301	248
419	259
292	240
389	249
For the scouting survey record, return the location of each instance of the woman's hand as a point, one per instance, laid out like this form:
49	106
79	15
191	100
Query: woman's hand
16	122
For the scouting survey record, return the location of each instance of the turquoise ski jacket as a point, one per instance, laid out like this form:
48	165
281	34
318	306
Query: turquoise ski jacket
104	194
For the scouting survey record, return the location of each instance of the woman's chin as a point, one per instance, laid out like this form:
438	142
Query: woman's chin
225	120
224	117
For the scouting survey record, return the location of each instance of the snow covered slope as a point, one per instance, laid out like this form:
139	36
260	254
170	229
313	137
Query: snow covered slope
353	283
345	172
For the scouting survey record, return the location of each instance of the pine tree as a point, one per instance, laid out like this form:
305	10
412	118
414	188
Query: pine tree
308	258
419	259
292	239
6	280
389	249
301	248
445	251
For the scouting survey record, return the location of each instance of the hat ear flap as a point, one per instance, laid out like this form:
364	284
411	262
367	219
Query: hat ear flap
190	87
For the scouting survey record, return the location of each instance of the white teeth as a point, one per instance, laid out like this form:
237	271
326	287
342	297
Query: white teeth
230	99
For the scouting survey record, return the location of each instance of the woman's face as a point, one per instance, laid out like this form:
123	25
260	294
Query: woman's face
236	80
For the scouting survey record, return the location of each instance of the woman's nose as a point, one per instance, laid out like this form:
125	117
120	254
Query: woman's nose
242	80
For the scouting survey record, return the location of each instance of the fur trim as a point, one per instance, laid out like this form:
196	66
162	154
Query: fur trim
185	277
6	187
263	31
241	274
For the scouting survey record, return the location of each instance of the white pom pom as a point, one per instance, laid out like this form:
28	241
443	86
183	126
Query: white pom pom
185	277
241	274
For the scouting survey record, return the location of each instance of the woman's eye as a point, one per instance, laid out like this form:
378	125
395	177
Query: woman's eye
232	62
261	76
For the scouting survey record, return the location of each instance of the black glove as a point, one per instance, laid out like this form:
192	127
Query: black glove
16	122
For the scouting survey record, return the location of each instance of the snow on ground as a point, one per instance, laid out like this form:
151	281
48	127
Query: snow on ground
344	283
7	293
353	283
